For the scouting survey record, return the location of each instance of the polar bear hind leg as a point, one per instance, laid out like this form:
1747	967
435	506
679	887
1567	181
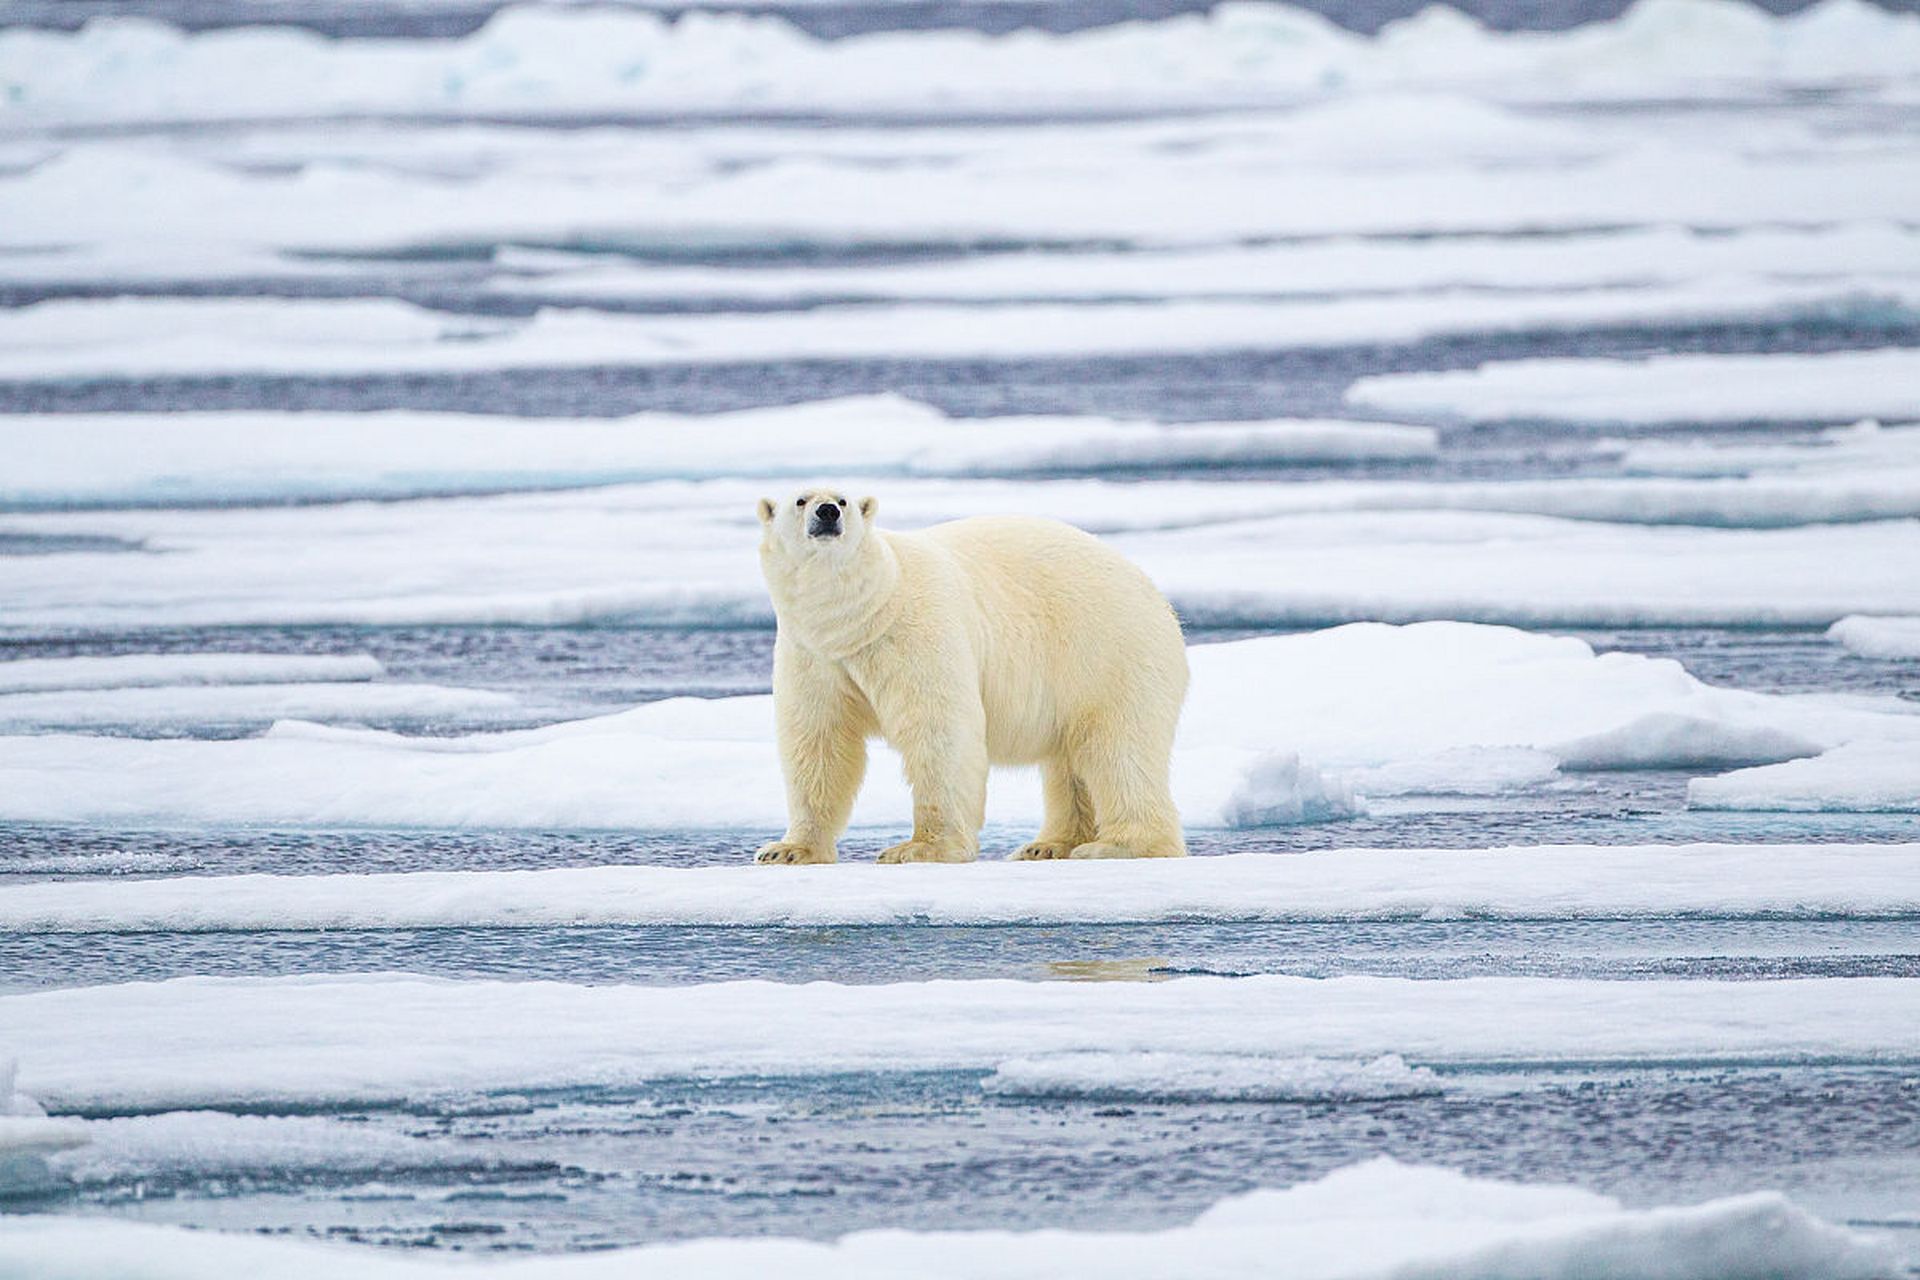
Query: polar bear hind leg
1069	815
1133	812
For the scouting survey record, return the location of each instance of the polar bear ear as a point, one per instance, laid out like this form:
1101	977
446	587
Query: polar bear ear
766	511
868	506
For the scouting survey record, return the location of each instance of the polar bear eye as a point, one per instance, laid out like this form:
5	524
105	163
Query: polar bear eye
799	502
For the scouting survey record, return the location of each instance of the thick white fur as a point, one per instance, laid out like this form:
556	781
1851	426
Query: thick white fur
994	640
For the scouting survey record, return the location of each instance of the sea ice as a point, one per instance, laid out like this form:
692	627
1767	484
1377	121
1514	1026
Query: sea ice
1379	1220
1248	554
145	337
1190	1077
1858	777
116	460
1888	638
529	60
1448	700
1549	883
1829	387
149	670
252	1042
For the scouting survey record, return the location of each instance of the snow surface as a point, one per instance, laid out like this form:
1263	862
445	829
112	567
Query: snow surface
1891	638
676	553
222	1043
1851	256
1554	882
154	337
164	706
1666	388
1859	777
1190	1077
1369	1221
1379	709
110	460
533	59
148	670
215	1143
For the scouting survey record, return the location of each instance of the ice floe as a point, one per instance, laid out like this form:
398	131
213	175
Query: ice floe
1554	882
149	670
215	1143
1191	1077
78	460
250	704
145	337
675	552
530	60
1376	709
1853	256
1859	777
1835	386
1892	638
1369	1221
1043	190
227	1042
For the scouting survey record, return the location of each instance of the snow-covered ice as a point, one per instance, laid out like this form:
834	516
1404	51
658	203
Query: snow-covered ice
141	337
532	59
225	1042
1858	777
1891	638
1239	554
108	460
1369	1221
1377	709
1831	386
162	707
217	1143
1192	1077
1551	883
151	670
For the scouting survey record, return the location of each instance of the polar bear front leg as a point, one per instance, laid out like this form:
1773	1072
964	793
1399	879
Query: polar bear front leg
821	726
944	748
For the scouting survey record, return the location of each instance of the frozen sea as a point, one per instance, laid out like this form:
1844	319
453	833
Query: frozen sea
1521	407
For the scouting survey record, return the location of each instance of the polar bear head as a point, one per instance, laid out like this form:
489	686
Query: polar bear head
817	522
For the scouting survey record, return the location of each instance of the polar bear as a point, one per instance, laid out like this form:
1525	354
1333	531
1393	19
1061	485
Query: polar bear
990	640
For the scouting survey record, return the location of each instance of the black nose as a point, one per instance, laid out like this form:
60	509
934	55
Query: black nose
827	513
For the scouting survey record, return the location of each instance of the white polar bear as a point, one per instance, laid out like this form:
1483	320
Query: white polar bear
993	640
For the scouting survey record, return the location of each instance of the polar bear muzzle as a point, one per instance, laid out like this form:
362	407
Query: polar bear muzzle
825	522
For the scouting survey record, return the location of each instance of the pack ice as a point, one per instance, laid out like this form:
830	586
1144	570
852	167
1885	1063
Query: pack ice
1368	1221
1286	728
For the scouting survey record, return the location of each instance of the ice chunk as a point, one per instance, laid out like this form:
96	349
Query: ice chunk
1526	883
1835	386
224	1043
214	1143
1190	1077
1666	740
1890	638
1284	790
146	670
1858	777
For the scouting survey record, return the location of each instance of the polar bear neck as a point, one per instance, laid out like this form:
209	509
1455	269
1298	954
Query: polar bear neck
835	606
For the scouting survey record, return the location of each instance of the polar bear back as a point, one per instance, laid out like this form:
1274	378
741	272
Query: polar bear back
1067	635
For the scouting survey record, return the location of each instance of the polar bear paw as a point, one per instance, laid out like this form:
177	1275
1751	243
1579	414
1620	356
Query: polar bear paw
1042	851
785	852
925	851
1107	849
